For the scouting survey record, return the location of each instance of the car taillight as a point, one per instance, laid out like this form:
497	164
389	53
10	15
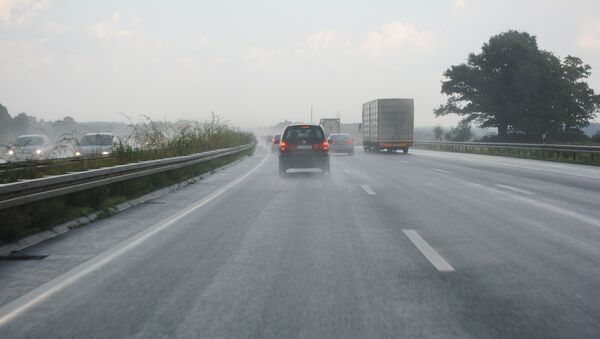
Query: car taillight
282	146
349	142
325	146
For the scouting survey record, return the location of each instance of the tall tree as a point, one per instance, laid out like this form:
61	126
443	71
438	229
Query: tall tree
20	124
438	132
518	88
462	132
5	123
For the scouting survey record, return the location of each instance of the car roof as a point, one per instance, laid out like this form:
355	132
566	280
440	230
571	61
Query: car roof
32	136
311	124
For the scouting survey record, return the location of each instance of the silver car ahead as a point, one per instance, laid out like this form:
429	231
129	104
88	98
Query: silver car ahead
29	147
95	145
341	143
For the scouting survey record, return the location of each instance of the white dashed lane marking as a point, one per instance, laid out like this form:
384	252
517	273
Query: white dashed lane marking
367	189
514	189
434	258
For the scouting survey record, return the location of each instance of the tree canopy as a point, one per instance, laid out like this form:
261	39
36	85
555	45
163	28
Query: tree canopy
520	89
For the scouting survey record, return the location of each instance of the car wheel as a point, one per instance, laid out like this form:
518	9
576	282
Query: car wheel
405	150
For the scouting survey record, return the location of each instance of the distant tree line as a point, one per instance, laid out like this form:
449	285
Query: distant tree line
9	126
525	92
66	128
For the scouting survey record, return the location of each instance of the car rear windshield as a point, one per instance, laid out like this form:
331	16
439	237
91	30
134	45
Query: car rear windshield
98	139
339	137
295	134
29	141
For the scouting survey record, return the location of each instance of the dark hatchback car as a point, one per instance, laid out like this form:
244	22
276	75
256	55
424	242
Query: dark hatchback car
303	146
341	143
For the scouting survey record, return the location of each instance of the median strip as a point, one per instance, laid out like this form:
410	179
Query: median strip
434	258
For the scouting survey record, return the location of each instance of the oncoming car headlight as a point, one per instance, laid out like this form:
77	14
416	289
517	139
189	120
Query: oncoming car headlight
105	152
77	154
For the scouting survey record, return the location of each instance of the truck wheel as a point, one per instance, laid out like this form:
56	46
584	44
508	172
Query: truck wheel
405	150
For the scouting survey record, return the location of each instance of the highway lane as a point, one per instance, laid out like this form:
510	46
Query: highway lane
428	244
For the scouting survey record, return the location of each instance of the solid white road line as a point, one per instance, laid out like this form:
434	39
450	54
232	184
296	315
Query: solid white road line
441	171
434	258
594	221
490	160
367	189
514	189
403	162
16	307
554	208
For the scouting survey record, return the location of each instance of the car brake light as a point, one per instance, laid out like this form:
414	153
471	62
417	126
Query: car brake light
349	142
325	146
282	146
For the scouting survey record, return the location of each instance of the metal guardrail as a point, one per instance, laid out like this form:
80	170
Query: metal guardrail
567	153
19	193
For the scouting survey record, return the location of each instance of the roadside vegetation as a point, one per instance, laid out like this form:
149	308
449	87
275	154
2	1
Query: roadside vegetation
148	140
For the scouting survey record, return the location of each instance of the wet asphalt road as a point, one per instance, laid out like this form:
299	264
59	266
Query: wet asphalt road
428	244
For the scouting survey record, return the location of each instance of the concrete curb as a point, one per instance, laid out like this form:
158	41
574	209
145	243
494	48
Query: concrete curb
87	219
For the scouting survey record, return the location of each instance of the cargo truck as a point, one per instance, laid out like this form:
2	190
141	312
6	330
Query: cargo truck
330	126
388	124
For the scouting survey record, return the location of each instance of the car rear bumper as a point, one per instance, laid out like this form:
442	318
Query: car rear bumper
299	160
334	148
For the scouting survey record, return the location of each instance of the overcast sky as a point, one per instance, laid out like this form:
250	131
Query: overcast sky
256	62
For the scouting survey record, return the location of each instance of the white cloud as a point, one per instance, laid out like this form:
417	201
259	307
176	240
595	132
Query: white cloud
20	11
590	39
263	57
459	4
202	43
397	37
22	56
322	39
114	28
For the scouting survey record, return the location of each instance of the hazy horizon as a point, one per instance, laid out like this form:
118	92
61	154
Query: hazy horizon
260	63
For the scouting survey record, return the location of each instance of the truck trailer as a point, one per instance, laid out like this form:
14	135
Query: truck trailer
388	124
330	126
